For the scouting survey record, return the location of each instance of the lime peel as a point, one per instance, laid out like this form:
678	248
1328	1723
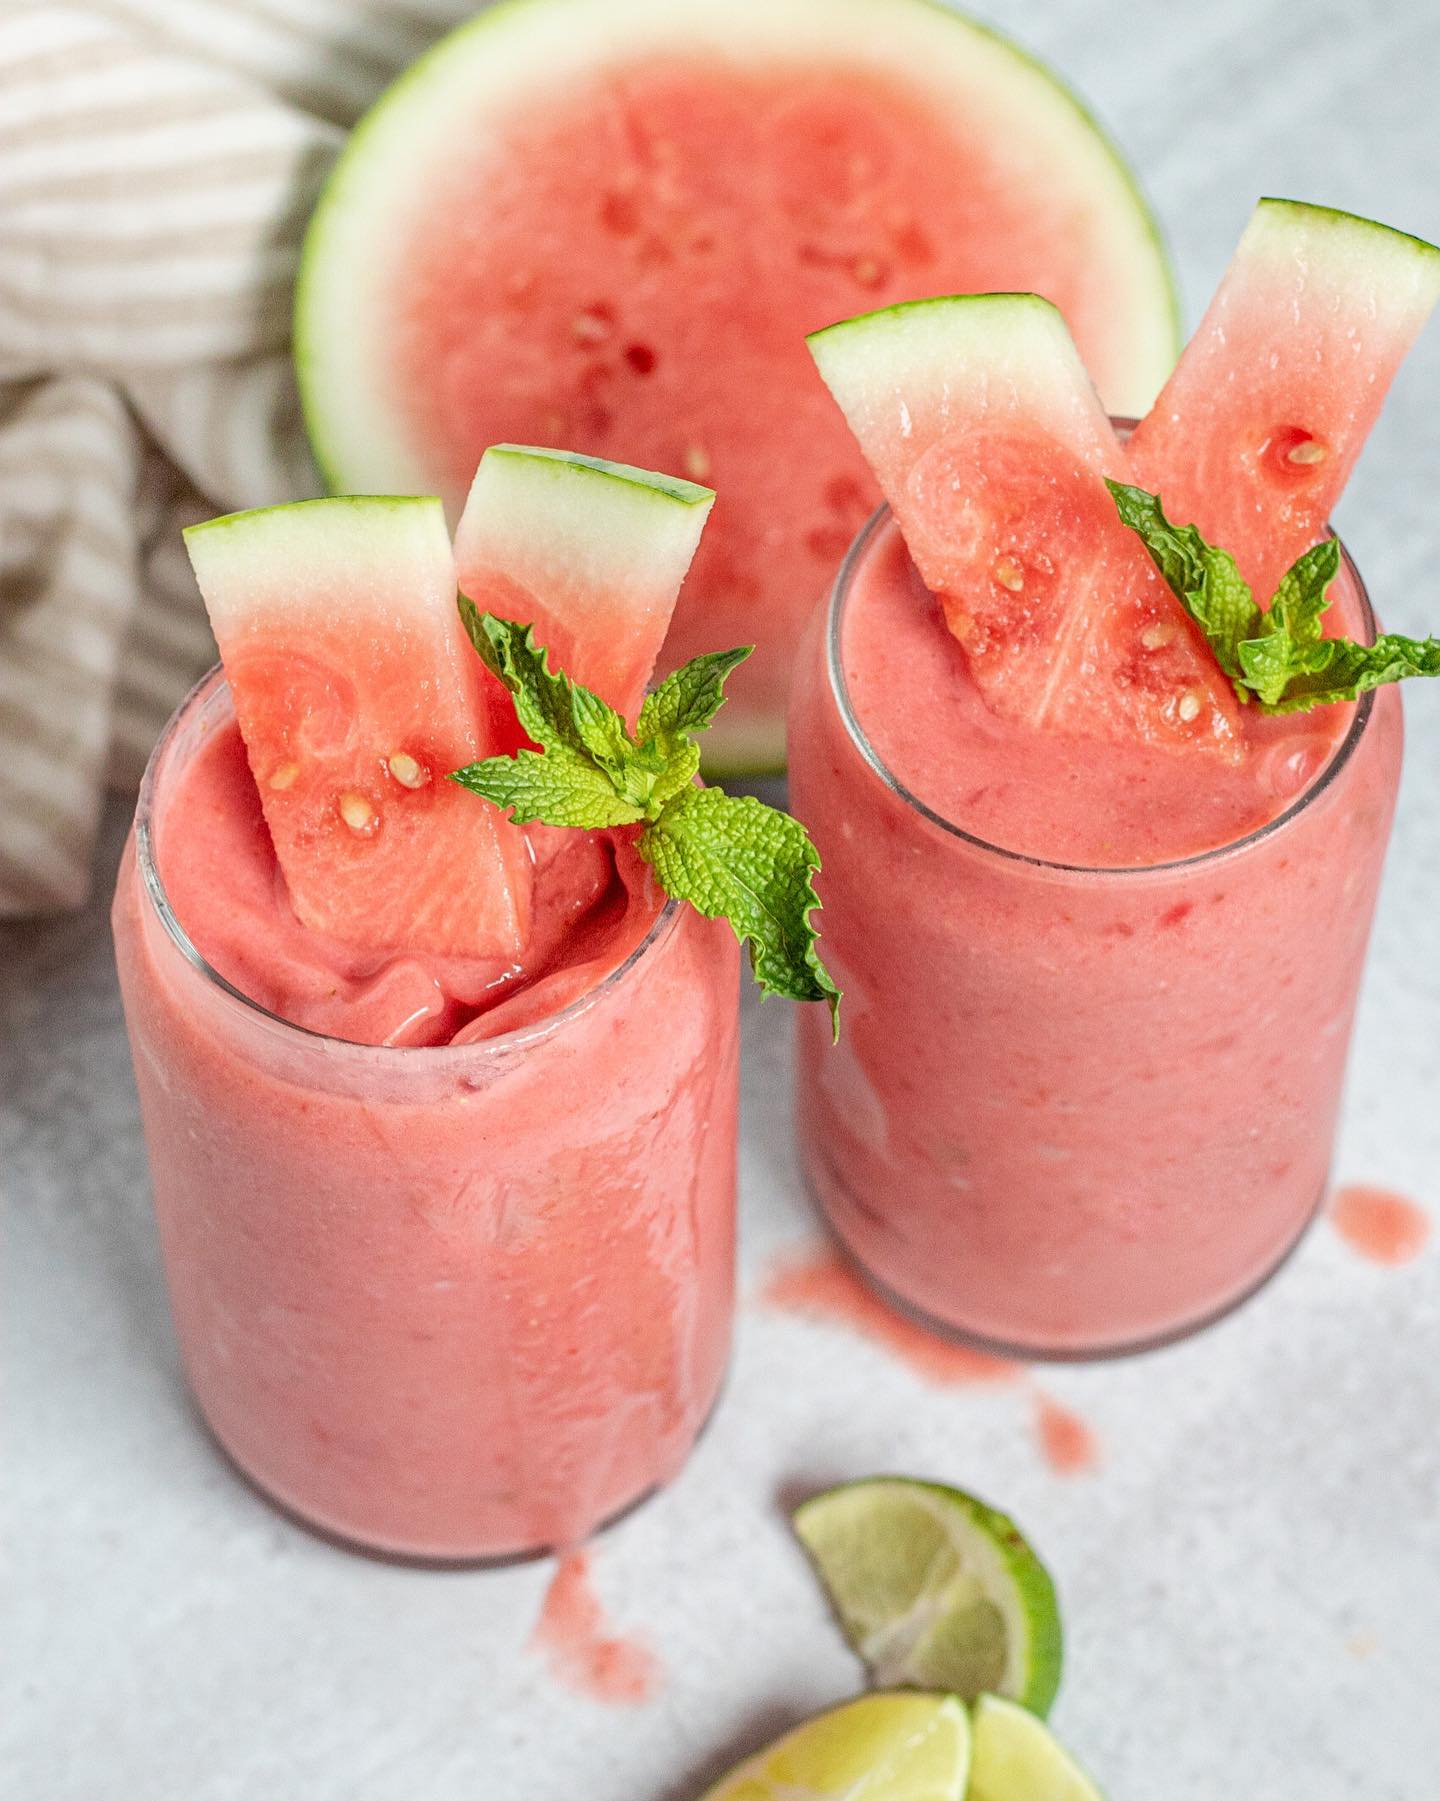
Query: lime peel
936	1590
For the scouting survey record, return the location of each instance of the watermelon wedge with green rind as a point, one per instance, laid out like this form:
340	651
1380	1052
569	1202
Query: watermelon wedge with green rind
611	225
1254	436
356	693
990	444
590	553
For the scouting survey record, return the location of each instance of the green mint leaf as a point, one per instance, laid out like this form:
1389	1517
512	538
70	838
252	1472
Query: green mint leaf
1204	579
602	731
731	855
1278	655
678	771
556	787
1299	603
1288	636
556	712
725	855
1340	669
690	697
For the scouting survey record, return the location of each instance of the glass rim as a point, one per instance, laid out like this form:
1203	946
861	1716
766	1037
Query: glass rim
840	694
205	690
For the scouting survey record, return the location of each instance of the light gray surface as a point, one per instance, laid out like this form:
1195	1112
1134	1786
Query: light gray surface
1250	1576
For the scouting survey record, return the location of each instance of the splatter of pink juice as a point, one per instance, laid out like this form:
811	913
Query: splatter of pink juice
1382	1226
821	1286
1066	1442
583	1652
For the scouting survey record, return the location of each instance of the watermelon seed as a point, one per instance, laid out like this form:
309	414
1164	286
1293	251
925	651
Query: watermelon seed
697	462
1157	636
1009	574
285	777
1307	451
407	771
1189	705
358	814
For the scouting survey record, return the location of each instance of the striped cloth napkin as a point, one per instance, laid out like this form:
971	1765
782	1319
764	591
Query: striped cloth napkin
158	159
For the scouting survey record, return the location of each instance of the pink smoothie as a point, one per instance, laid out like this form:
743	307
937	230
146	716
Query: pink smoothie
1075	1109
451	1268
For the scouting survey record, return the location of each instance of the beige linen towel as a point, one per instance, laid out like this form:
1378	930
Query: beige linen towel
158	159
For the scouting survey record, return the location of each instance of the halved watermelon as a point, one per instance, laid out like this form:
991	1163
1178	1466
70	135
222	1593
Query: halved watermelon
1255	434
356	693
590	553
610	225
991	445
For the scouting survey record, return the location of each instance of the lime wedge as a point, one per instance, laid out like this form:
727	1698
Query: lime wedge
936	1590
1016	1758
880	1748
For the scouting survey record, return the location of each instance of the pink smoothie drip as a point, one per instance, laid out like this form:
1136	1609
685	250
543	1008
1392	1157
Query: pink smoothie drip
583	1651
822	1286
1066	1441
1379	1225
593	905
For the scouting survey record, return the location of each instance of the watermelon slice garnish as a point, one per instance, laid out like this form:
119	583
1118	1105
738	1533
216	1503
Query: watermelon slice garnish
1255	434
610	223
356	694
991	446
590	553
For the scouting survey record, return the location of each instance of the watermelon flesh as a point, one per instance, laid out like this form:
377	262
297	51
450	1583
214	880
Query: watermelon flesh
611	227
1254	435
356	693
991	446
589	553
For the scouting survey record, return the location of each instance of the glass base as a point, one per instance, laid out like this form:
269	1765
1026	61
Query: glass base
420	1560
1017	1351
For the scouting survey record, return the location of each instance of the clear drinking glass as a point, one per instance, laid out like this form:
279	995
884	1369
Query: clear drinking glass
456	1302
1075	1111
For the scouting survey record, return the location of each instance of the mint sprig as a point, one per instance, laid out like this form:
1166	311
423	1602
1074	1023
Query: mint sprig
1277	657
729	856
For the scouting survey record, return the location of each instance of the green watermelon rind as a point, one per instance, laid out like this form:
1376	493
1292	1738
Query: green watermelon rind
623	530
1352	229
1031	321
407	530
1401	270
601	548
247	517
670	488
742	748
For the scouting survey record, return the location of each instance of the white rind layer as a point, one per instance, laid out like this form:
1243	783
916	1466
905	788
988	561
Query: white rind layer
523	52
376	552
1369	268
570	525
907	375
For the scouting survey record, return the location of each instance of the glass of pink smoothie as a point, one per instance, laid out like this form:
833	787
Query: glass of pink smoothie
462	1290
1098	996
